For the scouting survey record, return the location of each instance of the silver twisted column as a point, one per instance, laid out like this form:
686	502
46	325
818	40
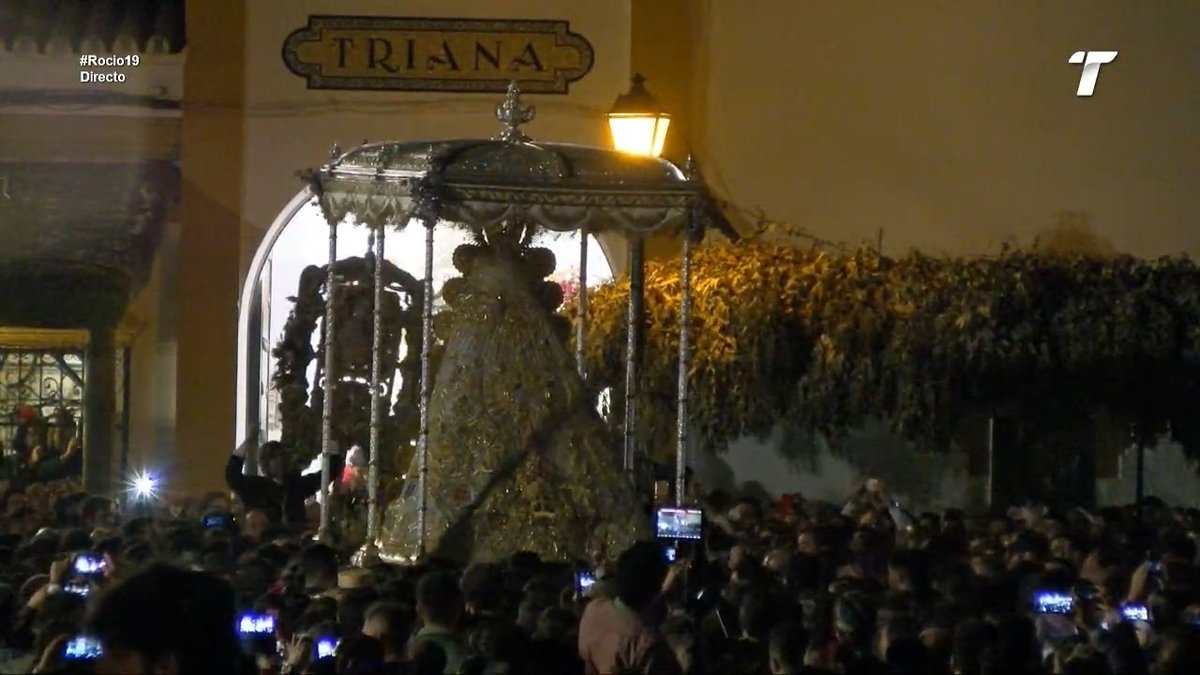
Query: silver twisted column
327	442
426	385
633	327
370	550
685	320
582	294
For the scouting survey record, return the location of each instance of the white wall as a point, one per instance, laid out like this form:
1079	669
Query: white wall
920	481
783	464
1169	475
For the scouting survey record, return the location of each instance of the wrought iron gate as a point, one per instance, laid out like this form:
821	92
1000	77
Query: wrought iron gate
42	401
41	397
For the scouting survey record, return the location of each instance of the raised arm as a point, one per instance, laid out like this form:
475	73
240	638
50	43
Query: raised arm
235	477
311	484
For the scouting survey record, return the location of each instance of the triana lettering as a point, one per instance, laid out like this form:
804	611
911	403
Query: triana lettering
410	54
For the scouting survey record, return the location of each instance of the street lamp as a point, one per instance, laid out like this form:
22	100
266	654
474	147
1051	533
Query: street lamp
638	123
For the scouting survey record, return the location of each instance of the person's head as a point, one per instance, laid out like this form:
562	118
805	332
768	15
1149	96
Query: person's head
216	502
786	648
746	514
483	588
496	642
972	640
391	625
352	609
75	540
1085	662
439	600
273	461
168	621
138	528
319	565
755	616
904	572
98	512
428	658
1179	548
255	524
641	571
812	541
554	624
359	654
897	629
779	564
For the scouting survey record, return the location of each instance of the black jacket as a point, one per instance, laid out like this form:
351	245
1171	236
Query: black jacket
282	502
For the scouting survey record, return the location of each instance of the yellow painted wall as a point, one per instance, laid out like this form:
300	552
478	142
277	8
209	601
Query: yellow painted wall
153	365
954	126
666	48
210	217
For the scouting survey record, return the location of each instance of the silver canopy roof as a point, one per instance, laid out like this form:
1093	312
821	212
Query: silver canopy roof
480	182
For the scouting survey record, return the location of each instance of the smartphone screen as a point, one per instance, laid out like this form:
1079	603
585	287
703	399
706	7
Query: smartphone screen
216	521
90	565
1053	602
584	581
671	554
1135	613
675	523
255	625
82	648
325	647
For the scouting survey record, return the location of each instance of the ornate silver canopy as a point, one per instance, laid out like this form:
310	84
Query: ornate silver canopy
476	182
481	184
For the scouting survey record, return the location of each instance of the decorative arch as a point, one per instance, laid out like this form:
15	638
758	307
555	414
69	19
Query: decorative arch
263	298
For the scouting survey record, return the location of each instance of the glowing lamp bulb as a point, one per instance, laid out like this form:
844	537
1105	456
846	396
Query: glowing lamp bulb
144	485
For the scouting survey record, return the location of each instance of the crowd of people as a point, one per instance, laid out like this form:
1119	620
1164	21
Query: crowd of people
238	585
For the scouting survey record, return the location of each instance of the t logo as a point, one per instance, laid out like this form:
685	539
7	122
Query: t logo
1091	69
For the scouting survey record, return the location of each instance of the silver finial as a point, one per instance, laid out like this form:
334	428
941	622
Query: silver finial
512	114
335	152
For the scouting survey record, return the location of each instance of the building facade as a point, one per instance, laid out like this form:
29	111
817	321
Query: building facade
948	128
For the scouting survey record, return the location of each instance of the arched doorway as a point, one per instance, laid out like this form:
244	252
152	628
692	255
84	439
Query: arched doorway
299	237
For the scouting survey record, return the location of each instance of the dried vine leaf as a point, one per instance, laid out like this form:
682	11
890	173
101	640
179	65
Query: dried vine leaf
828	340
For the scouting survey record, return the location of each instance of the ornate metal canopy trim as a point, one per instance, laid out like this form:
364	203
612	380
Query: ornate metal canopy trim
480	182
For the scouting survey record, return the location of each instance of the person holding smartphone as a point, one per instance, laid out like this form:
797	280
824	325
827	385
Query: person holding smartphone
619	635
281	491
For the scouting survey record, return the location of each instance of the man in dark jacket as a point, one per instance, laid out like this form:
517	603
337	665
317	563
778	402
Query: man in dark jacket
282	491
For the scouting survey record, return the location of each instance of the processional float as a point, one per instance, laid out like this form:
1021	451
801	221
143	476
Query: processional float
511	453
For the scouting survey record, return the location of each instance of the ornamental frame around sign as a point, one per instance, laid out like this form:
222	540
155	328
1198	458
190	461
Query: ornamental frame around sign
314	79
